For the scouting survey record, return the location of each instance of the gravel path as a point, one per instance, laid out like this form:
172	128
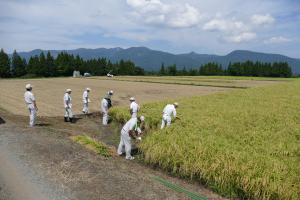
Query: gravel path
43	163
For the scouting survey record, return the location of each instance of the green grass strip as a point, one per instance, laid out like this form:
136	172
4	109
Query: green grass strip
92	144
179	189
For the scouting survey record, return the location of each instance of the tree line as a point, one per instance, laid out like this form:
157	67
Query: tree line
63	65
248	68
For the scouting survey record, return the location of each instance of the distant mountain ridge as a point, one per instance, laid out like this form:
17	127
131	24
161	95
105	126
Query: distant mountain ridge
152	59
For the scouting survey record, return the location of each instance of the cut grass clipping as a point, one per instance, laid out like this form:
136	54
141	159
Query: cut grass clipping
244	143
93	145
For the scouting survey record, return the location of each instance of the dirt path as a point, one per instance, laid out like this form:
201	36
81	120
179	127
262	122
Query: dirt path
43	163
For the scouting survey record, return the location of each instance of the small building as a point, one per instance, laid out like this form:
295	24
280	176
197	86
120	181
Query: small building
76	74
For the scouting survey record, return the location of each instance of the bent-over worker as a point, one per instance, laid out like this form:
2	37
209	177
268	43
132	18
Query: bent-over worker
129	130
169	110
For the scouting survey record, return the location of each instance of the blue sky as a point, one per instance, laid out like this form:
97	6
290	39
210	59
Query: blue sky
212	27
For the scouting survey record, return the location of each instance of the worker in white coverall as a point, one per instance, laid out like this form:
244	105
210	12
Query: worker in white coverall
105	105
169	110
86	100
68	106
134	108
31	104
129	130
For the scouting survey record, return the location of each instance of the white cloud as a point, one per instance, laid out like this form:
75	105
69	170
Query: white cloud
230	30
242	37
277	40
171	15
262	19
225	25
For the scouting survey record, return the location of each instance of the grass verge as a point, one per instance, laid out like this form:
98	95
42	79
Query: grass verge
242	144
93	145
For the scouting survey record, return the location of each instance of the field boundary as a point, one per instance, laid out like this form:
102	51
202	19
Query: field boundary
176	83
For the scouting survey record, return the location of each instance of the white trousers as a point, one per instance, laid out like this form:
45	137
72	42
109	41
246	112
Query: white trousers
125	144
105	118
32	114
134	115
85	108
68	112
165	120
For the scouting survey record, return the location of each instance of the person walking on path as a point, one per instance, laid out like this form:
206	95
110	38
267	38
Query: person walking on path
86	101
68	106
105	105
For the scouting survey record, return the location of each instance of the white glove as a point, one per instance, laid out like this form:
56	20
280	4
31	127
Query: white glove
139	138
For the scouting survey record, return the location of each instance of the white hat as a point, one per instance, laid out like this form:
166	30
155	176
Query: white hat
28	86
68	90
110	92
132	99
88	89
175	104
142	118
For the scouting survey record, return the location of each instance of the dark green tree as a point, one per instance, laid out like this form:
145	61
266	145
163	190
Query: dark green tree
4	64
18	65
162	70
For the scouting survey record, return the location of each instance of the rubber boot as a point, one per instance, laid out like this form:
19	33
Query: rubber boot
72	120
66	119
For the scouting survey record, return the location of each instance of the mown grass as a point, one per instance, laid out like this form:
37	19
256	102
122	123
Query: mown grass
214	81
92	144
242	144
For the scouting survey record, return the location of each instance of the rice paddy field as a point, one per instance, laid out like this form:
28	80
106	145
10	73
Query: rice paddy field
211	81
239	136
243	143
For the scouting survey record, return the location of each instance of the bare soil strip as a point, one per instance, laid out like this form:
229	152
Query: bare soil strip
49	93
76	173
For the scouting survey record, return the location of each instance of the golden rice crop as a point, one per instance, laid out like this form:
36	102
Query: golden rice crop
242	144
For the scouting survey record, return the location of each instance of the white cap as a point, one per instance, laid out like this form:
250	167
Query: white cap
142	118
175	104
132	99
110	92
88	89
28	86
68	90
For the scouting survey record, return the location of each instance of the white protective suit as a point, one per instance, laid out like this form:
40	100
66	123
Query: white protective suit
68	105
104	110
125	140
168	111
86	100
134	108
29	100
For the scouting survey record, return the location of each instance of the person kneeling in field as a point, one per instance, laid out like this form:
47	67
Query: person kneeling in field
130	130
169	110
31	104
86	101
68	106
105	105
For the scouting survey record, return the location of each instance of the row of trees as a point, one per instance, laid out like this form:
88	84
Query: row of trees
63	65
248	68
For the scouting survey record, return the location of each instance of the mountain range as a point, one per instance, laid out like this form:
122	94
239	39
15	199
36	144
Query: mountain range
151	60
